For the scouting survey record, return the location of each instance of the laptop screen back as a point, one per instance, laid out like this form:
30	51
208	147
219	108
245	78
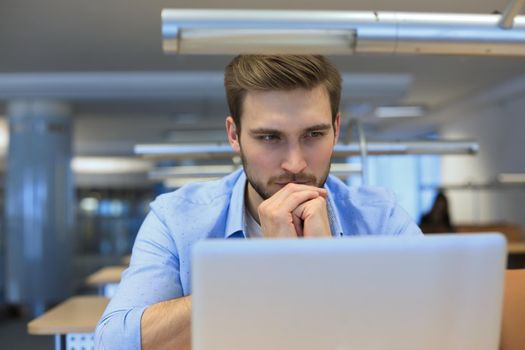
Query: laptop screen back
433	293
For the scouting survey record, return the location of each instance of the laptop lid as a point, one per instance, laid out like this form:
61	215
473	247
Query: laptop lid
439	292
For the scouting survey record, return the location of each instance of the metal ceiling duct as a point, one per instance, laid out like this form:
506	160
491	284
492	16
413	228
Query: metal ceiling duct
188	31
172	85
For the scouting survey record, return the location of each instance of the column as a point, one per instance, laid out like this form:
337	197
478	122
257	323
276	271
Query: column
39	203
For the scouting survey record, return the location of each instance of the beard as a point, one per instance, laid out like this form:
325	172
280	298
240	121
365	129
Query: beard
263	190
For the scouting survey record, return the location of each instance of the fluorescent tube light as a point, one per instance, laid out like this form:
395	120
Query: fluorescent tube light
399	111
261	41
206	172
181	181
211	151
191	171
110	165
517	178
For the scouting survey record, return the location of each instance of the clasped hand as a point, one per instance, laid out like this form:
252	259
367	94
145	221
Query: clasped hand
295	211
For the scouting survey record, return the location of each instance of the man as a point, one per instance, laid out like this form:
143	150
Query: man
284	123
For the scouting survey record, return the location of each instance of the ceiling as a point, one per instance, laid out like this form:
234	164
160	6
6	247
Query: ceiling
65	36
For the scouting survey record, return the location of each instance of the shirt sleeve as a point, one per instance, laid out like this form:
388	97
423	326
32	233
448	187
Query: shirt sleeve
153	276
402	222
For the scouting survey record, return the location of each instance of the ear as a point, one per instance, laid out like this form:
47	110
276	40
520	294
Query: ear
231	131
337	126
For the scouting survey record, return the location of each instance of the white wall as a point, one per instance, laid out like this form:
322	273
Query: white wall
500	130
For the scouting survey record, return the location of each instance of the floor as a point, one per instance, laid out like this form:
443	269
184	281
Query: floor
13	322
13	335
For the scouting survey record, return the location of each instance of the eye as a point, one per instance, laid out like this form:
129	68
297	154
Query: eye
315	134
268	138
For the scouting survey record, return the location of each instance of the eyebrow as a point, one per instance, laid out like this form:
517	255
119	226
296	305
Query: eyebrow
264	131
319	127
316	127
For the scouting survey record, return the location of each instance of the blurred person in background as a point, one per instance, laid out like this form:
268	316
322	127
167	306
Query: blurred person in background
437	220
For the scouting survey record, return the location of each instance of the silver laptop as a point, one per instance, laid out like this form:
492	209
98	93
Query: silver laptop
370	293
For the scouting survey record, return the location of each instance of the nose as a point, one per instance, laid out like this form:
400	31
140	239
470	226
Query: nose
294	161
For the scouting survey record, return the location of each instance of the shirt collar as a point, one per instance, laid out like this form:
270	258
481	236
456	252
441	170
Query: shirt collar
333	217
235	221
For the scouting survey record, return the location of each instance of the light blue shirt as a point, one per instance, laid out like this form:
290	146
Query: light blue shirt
160	267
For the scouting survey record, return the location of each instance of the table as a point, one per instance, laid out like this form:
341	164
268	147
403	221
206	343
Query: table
126	259
72	322
106	279
516	255
516	248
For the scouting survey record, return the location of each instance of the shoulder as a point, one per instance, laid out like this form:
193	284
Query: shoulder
198	209
198	194
363	196
369	210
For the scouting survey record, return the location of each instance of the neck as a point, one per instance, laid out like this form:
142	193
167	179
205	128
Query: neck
252	201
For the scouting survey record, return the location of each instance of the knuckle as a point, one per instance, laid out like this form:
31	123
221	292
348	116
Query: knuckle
294	195
267	212
263	208
290	186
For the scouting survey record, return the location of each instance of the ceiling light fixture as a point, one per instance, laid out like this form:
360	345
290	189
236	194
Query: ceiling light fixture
206	31
283	41
511	178
110	165
399	111
224	151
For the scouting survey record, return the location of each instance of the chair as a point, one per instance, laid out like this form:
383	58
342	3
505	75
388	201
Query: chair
512	332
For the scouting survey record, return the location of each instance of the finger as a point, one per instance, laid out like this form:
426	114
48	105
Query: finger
295	199
293	187
279	211
316	205
283	194
298	225
314	216
283	207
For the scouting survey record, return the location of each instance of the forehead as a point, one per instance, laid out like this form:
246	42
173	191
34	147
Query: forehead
298	106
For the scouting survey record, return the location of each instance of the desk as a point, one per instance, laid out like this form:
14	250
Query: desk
126	259
516	248
516	255
73	322
106	279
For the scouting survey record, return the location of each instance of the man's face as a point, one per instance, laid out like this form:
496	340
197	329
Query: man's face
286	136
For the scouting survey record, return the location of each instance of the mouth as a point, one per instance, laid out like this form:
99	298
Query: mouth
282	184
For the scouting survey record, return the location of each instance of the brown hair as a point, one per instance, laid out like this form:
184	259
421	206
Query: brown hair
267	72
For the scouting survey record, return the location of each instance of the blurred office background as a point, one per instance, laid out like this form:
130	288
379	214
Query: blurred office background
82	83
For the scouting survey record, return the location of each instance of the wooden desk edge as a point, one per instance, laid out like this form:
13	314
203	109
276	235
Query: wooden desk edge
126	259
38	325
100	277
37	330
516	248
